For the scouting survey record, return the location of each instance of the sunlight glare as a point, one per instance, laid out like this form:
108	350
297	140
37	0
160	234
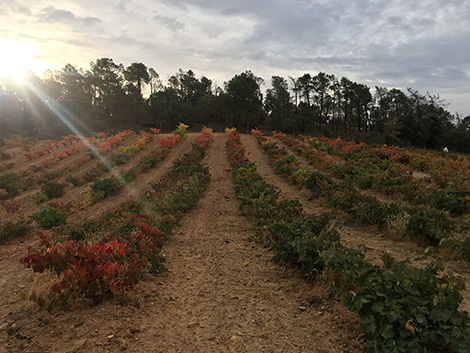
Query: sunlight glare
17	58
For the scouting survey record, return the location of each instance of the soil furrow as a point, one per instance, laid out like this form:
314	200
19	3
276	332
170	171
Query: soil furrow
223	293
137	187
352	236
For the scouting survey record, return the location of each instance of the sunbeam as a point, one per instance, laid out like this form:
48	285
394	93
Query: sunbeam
64	115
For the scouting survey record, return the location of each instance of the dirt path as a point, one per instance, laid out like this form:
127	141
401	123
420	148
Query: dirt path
222	294
226	294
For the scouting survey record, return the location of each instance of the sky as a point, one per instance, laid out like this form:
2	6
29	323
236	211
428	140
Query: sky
420	44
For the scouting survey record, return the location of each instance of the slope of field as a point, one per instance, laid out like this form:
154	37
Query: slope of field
222	293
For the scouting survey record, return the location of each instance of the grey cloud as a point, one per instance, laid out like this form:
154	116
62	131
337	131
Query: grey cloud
224	7
398	43
171	23
52	14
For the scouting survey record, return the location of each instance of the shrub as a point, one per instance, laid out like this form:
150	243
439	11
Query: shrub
128	151
319	184
102	168
8	181
109	186
181	129
451	200
90	175
95	271
49	217
119	159
10	207
394	179
128	175
149	161
11	230
81	204
358	172
74	181
97	196
301	175
364	208
429	225
37	197
53	190
402	308
287	165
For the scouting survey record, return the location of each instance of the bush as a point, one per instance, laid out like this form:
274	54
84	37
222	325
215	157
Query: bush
286	165
319	184
119	159
429	225
109	186
74	181
128	151
128	175
11	230
53	190
451	200
149	162
49	217
365	209
358	172
301	175
92	271
180	129
38	197
402	308
8	181
96	196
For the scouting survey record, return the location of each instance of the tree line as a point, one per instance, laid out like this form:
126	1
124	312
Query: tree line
109	96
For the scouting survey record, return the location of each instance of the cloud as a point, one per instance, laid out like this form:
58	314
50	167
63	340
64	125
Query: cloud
54	15
421	44
171	23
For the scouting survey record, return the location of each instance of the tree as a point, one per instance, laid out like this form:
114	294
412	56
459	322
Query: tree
362	100
154	80
278	104
336	101
381	110
76	93
295	89
321	84
347	93
305	87
244	99
137	73
105	78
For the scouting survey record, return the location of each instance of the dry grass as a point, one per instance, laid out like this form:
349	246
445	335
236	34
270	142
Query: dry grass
396	228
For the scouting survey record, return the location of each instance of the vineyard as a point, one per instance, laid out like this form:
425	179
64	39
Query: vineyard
228	242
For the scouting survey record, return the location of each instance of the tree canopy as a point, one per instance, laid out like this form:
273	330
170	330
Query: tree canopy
110	96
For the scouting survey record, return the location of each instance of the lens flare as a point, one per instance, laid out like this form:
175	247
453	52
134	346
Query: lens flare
17	58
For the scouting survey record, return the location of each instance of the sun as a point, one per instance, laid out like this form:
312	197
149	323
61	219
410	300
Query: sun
17	58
